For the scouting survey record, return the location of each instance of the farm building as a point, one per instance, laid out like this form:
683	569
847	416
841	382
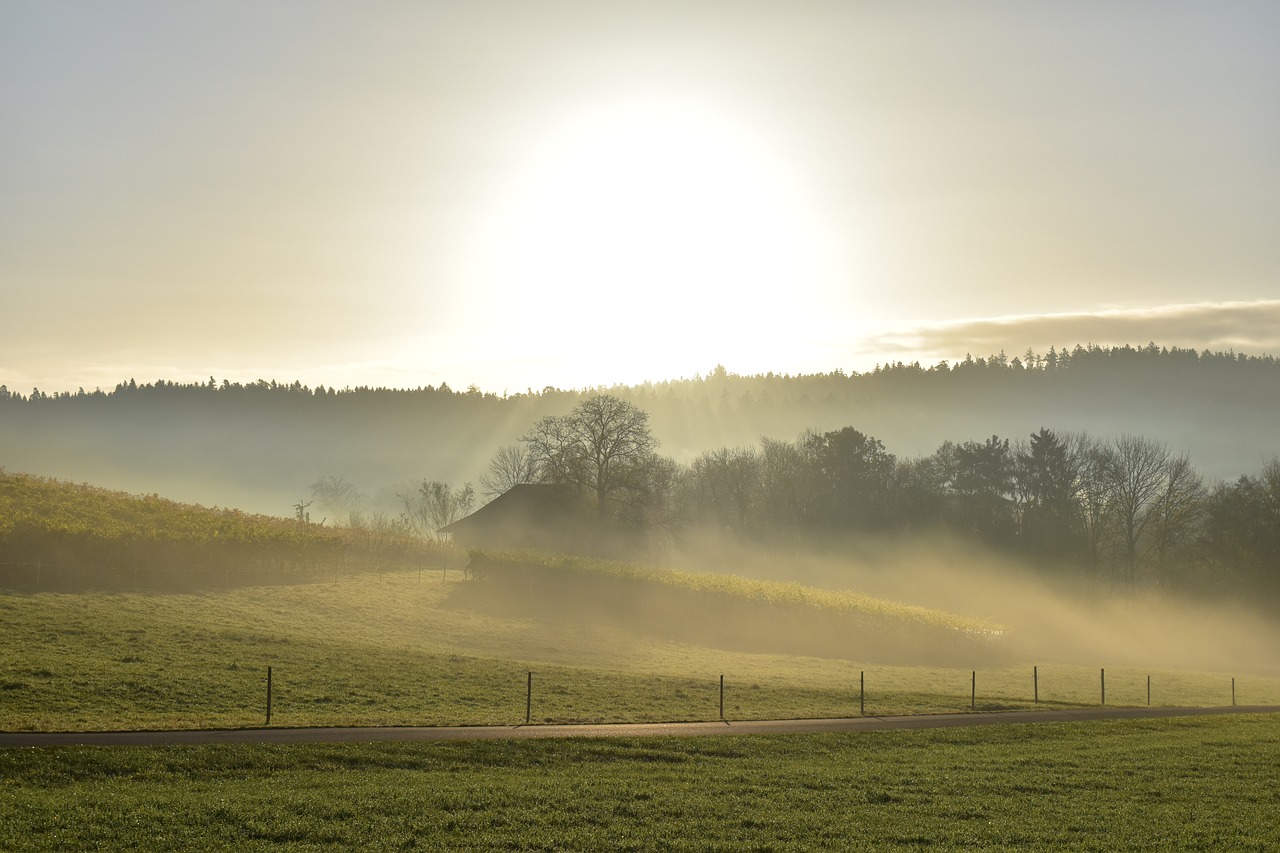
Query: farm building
530	515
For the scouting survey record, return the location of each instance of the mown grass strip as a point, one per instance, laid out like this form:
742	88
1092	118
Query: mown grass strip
1186	784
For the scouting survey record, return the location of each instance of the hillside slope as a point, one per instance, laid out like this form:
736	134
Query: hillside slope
60	535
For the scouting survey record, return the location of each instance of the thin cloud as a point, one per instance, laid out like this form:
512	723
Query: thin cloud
1244	327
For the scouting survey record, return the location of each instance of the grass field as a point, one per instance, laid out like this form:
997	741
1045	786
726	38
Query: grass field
570	571
1184	784
410	649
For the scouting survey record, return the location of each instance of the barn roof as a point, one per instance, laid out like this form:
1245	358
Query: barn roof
527	515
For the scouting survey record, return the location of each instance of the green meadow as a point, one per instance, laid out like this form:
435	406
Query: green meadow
422	645
604	642
404	648
1183	784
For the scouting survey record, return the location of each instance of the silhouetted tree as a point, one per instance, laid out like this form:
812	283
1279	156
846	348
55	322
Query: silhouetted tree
603	446
1178	520
855	473
919	493
435	505
511	466
1243	533
650	517
1047	479
1137	475
981	478
789	487
725	487
1093	504
338	497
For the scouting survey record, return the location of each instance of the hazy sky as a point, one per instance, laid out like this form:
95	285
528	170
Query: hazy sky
518	194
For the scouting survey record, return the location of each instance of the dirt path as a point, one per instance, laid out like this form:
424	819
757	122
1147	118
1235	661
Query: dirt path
744	727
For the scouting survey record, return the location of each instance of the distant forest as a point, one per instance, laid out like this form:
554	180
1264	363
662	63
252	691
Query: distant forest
261	446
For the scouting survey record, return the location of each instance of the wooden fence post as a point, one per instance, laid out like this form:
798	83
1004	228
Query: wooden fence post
862	693
268	696
973	692
528	700
1103	677
722	696
1035	683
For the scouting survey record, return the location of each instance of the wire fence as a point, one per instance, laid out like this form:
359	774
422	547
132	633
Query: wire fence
293	695
475	691
548	697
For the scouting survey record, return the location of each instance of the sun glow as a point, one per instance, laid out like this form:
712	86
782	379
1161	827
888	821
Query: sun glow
661	236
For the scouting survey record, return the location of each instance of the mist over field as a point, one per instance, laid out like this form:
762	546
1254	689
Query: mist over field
1044	617
261	446
1105	506
506	363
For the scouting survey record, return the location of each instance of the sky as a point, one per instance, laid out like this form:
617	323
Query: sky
575	194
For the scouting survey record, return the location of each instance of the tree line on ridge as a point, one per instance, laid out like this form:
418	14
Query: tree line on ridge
1122	513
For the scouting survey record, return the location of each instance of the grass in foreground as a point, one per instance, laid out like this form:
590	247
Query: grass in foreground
399	651
1186	784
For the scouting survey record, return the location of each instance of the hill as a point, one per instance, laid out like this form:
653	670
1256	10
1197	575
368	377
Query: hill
259	446
60	535
183	608
725	610
404	648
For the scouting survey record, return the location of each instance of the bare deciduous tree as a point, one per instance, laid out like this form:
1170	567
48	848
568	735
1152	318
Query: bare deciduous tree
1136	469
789	487
339	498
1155	502
726	486
511	466
435	505
1178	514
604	446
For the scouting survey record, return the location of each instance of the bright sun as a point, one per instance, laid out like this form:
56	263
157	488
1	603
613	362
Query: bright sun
661	235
